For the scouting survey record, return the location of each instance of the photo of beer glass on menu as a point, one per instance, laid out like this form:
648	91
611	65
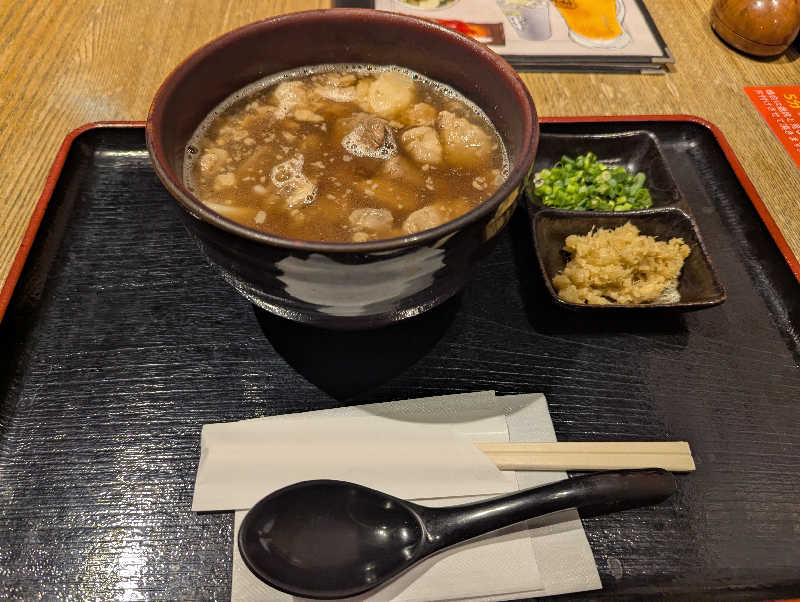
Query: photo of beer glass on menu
595	23
550	35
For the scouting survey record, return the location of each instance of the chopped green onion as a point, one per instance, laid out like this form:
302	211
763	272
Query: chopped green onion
587	184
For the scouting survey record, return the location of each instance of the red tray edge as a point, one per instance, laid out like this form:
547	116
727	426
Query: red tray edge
61	156
41	206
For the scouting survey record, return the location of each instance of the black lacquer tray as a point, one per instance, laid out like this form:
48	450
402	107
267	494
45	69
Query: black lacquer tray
119	342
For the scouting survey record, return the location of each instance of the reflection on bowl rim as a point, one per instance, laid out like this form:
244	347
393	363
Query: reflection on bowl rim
199	210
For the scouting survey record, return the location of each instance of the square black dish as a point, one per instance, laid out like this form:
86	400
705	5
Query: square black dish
120	342
635	150
698	284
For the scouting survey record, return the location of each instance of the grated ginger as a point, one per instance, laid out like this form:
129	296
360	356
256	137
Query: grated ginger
620	266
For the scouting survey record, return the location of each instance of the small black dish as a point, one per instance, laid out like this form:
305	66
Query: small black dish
698	284
636	151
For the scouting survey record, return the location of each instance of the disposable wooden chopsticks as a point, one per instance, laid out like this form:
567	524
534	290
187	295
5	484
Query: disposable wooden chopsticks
670	455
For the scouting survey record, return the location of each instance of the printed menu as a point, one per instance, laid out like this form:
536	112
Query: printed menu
550	35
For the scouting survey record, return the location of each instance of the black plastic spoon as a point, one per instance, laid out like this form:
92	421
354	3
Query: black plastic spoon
333	539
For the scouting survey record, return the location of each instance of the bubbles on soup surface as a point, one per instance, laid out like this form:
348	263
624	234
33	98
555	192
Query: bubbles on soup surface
345	153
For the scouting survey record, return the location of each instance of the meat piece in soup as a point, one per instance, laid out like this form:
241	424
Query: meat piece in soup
345	154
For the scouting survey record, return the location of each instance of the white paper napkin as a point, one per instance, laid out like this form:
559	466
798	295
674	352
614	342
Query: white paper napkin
241	462
497	567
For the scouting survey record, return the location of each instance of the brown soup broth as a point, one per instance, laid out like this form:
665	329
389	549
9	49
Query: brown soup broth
344	153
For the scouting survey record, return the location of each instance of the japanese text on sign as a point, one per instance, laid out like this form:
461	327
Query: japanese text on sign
780	108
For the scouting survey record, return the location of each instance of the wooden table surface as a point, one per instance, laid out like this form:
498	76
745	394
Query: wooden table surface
63	64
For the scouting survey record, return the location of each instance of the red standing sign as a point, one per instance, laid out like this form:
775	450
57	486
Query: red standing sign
780	108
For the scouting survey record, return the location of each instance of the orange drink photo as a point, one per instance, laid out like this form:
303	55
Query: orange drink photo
595	23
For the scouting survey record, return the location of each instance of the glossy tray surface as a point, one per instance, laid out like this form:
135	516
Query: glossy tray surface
120	341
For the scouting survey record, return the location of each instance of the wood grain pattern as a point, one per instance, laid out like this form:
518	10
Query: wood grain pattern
64	64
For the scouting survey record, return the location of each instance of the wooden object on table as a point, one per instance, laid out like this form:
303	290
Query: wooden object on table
567	455
759	27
